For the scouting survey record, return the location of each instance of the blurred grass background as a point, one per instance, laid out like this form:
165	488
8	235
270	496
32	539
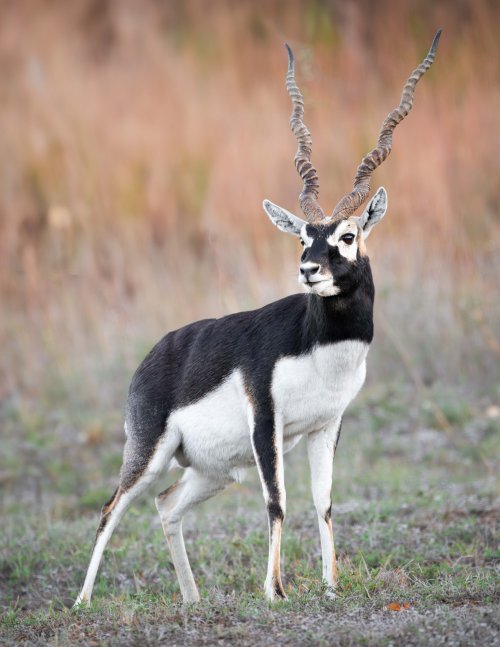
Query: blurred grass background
137	142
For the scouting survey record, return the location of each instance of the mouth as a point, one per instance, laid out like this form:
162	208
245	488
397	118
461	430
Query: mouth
312	284
314	281
318	280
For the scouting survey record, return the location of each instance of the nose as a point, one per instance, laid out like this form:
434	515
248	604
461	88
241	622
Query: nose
308	270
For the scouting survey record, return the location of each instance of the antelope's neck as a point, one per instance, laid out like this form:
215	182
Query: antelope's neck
350	316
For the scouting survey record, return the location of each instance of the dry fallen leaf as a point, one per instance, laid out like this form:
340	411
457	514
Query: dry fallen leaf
396	606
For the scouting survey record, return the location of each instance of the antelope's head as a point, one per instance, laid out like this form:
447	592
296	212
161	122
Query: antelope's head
334	246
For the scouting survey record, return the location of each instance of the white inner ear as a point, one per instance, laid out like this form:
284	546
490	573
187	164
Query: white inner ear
374	212
283	219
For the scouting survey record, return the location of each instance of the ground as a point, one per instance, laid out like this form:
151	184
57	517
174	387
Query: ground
416	528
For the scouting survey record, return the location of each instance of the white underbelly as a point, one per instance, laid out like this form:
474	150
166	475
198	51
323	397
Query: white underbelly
308	393
214	430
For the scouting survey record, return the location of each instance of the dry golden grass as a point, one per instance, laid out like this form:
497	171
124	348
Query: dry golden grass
139	139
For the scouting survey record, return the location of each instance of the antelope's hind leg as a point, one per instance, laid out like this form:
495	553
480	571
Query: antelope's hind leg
172	505
141	466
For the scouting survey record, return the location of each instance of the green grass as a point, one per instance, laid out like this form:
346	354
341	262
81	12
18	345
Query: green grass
415	524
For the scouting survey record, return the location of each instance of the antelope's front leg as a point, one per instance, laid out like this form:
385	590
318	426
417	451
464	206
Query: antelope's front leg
321	450
267	442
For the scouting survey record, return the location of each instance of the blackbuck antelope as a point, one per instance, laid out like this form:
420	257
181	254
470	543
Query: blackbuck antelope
224	394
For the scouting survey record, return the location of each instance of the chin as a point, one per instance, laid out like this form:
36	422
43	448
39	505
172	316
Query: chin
327	291
322	289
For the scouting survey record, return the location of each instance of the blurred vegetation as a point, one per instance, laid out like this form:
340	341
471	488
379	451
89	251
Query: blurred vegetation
137	143
139	139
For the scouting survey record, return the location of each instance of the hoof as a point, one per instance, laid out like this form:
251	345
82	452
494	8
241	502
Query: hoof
190	601
274	592
191	598
81	602
330	592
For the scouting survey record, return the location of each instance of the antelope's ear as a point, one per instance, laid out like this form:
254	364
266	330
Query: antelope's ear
283	219
374	212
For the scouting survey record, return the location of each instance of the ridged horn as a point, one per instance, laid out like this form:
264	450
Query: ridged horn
370	162
308	197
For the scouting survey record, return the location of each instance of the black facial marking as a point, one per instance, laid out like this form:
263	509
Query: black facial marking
312	231
346	274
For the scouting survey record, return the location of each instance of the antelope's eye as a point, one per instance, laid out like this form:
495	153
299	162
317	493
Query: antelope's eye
302	243
348	238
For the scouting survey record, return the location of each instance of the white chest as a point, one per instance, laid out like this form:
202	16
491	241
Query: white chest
311	390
